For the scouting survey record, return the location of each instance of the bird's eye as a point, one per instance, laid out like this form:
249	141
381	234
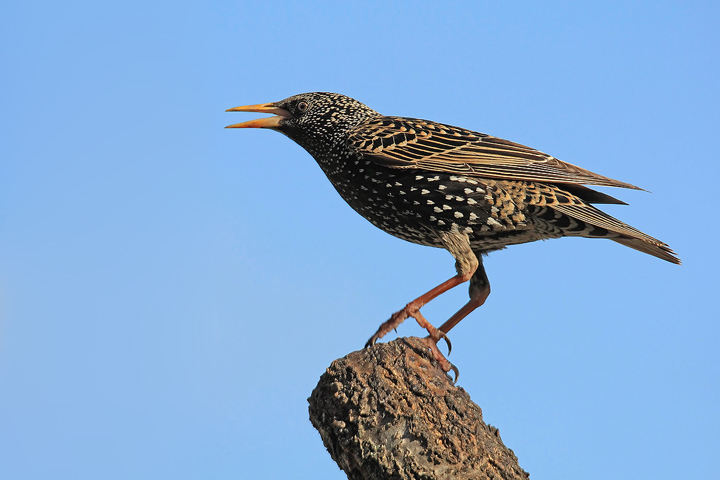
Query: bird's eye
302	106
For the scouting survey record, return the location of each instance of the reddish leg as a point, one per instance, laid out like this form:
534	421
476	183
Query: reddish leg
466	265
412	309
479	291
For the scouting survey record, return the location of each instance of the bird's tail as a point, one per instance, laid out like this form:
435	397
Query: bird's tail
655	248
614	230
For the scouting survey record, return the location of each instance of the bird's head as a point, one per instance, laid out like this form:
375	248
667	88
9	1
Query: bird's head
316	121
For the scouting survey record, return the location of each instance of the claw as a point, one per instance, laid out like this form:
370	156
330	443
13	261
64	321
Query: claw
457	373
444	336
395	319
435	334
444	362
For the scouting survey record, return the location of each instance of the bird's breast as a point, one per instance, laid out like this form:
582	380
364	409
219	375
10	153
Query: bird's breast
414	205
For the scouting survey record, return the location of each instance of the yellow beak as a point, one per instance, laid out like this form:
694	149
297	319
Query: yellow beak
269	122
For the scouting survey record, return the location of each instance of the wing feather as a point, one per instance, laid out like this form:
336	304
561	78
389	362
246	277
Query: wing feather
409	143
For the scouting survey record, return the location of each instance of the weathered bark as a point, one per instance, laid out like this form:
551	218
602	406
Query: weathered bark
389	412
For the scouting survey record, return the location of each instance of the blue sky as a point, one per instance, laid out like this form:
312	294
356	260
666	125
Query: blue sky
170	292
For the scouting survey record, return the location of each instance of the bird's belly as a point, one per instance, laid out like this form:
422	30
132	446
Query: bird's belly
414	205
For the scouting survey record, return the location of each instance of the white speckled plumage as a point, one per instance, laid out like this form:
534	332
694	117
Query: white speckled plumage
448	187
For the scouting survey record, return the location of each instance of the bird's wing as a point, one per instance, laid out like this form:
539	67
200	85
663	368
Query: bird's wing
409	143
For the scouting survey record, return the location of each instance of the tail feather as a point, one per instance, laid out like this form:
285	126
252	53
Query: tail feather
624	233
656	249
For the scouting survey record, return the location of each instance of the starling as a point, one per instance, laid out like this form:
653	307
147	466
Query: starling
448	187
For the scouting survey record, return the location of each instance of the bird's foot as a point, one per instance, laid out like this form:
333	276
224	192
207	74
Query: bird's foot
410	310
434	335
431	341
395	319
444	362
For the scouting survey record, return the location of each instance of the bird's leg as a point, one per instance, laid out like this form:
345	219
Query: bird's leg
466	263
412	309
479	291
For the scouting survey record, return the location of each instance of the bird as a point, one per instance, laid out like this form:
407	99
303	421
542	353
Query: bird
447	187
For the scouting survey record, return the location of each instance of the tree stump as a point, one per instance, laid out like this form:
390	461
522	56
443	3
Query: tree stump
389	412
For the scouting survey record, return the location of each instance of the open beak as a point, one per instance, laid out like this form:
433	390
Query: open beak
269	122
